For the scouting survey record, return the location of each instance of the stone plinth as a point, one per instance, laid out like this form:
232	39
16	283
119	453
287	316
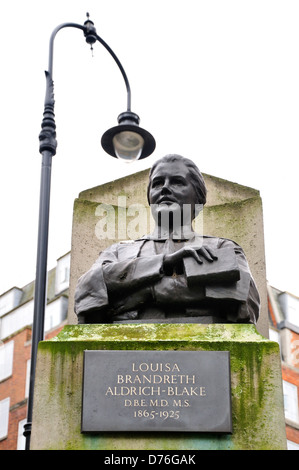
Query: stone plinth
256	387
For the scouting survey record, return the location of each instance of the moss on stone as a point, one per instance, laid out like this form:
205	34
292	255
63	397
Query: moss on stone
256	392
83	208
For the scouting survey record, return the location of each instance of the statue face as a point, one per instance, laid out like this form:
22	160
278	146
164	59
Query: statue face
172	192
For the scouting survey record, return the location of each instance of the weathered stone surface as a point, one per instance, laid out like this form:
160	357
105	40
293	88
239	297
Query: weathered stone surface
257	400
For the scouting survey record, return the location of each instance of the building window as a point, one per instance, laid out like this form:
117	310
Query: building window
274	335
290	306
21	438
17	319
62	274
56	313
6	360
290	396
4	416
292	445
10	300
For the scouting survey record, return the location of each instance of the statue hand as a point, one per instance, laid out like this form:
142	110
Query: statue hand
175	259
203	251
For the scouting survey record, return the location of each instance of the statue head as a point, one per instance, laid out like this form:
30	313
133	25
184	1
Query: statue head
175	181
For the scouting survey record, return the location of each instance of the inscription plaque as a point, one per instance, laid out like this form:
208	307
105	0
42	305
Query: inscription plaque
180	391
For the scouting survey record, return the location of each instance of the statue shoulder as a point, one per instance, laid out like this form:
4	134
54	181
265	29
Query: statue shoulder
121	243
219	242
121	250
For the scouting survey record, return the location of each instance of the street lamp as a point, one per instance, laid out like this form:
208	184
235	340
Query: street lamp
127	141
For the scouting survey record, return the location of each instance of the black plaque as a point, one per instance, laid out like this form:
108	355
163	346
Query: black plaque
182	391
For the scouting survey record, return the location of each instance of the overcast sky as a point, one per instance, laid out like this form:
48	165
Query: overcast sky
216	81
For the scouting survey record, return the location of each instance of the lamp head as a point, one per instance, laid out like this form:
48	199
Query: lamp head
128	141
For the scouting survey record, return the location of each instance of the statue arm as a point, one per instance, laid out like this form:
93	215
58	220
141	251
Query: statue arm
91	296
109	282
250	308
129	275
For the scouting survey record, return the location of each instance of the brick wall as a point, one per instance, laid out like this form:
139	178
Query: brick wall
14	386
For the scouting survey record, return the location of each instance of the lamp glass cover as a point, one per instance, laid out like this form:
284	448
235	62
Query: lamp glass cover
128	145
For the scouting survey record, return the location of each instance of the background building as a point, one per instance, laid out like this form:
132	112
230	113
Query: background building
16	314
284	328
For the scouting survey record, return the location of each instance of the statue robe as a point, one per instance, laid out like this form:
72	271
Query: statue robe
127	283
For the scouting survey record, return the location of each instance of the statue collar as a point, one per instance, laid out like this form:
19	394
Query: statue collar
184	233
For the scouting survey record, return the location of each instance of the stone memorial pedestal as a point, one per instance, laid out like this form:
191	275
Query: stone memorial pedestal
161	396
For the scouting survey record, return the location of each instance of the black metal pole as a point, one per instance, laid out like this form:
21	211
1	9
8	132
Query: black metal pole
40	282
47	148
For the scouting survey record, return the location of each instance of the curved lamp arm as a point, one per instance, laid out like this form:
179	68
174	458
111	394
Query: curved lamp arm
126	141
47	136
91	37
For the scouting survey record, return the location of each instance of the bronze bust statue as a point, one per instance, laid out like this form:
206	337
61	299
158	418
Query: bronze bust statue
173	275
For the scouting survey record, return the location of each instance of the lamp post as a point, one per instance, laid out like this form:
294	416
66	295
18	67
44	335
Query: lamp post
127	141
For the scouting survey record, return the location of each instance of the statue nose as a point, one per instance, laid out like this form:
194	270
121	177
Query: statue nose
166	189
